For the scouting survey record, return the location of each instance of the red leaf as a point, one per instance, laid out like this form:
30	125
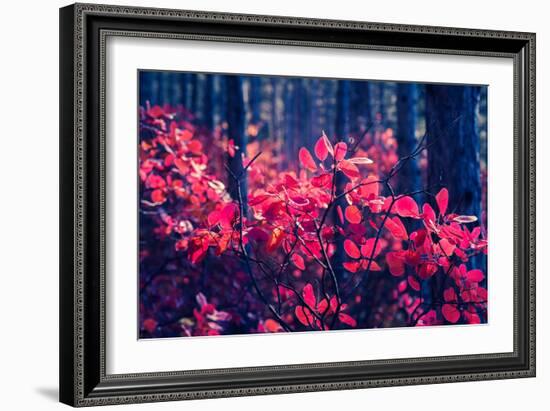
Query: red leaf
374	266
228	215
298	261
322	307
353	214
449	295
475	276
450	312
369	188
275	239
154	181
322	181
157	196
428	214
291	182
272	326
348	320
309	295
351	249
349	169
442	199
396	227
367	248
406	207
194	146
223	243
402	286
306	159
231	147
198	248
446	246
273	210
395	264
303	315
185	135
340	151
323	147
155	111
427	270
255	200
214	217
150	325
472	318
413	282
481	293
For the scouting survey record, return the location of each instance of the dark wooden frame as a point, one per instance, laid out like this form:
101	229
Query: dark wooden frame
83	30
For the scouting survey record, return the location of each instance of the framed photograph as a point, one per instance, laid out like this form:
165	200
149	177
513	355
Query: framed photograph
259	204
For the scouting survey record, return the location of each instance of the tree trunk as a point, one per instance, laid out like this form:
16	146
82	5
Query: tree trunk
209	102
380	108
453	141
255	99
187	89
235	117
360	119
342	110
274	124
290	115
407	98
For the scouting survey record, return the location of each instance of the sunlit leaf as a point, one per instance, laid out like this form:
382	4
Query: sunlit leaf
275	239
351	249
406	207
323	147
465	219
360	160
349	169
214	217
306	159
340	151
442	199
322	181
428	214
353	214
396	227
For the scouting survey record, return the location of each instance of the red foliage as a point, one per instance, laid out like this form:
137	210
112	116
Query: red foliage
286	255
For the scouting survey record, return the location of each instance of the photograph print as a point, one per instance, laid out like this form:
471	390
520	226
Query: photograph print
272	204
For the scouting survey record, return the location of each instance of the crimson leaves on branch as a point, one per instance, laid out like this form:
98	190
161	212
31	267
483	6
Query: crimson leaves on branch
219	262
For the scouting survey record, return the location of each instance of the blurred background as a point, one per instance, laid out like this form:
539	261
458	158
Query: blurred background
293	112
